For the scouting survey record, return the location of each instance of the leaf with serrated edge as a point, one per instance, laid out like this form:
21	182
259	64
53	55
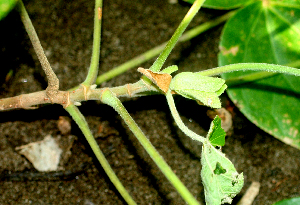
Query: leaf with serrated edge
220	179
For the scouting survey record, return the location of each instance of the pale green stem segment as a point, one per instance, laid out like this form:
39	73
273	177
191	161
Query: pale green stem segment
251	66
109	98
178	120
81	122
248	78
256	75
130	64
53	82
158	49
94	66
157	65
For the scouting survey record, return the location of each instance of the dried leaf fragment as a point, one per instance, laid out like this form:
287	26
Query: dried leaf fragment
162	80
44	155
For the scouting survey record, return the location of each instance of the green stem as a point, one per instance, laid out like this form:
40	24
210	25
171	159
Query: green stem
179	122
157	65
248	78
109	98
130	64
93	70
192	33
251	66
188	35
81	122
256	75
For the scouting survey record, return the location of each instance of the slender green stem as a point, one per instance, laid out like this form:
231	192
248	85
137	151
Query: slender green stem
248	78
81	122
53	82
130	64
109	98
93	70
179	122
157	65
256	75
192	33
251	66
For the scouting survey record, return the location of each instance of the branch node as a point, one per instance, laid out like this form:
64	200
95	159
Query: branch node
51	93
85	89
67	101
128	90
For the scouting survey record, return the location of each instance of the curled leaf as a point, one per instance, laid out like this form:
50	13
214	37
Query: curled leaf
198	87
220	179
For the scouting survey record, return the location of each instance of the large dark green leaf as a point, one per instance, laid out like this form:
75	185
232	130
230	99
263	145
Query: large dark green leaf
6	6
292	201
268	32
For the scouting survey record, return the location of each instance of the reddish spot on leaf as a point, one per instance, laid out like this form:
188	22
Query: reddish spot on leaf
232	50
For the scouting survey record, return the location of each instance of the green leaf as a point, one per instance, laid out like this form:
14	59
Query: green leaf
198	87
266	32
6	6
292	201
216	134
220	179
223	4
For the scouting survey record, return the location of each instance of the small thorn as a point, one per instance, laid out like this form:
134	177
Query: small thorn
77	103
93	86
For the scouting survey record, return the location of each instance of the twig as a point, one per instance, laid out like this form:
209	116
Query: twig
64	98
53	82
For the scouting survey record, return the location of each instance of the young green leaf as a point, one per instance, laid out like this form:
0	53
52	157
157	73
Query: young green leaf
198	87
220	179
216	135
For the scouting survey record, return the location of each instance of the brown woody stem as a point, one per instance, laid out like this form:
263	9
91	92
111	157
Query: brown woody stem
53	82
65	98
